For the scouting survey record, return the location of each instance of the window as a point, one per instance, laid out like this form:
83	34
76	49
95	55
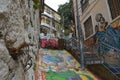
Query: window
114	8
84	4
48	10
48	21
88	27
53	23
42	19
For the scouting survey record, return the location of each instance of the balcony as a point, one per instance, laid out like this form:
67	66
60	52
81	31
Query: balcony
47	25
47	14
51	16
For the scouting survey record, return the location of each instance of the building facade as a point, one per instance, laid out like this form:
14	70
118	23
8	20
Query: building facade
101	18
88	10
50	21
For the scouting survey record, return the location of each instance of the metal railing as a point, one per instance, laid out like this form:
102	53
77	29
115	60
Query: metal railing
90	55
109	50
72	44
84	6
111	58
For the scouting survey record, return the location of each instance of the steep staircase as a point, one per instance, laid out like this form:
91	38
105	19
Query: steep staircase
111	59
90	54
109	49
106	52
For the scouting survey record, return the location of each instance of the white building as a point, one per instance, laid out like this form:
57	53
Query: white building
50	21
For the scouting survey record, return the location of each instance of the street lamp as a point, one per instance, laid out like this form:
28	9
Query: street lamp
80	37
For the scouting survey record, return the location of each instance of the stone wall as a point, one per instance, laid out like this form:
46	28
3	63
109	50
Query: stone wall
19	27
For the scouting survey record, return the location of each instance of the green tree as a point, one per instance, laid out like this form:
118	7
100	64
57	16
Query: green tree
66	11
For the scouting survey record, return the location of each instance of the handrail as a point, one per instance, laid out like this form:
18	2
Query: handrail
118	63
72	43
73	40
109	46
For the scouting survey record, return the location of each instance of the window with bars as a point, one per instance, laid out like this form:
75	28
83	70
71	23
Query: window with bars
84	4
114	8
88	26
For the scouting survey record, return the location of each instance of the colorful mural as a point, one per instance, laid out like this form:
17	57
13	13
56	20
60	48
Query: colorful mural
110	37
60	65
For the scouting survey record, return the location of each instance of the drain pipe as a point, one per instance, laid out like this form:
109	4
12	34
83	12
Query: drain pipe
80	37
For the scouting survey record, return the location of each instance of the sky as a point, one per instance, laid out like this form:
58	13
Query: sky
55	3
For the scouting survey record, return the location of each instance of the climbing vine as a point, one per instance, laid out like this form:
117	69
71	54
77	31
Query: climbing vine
36	4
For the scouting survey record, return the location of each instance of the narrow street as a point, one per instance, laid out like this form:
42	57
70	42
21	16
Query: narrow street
60	65
59	39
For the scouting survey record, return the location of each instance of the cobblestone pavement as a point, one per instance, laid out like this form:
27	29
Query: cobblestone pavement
59	65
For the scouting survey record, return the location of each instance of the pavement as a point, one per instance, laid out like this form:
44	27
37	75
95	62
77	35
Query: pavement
60	65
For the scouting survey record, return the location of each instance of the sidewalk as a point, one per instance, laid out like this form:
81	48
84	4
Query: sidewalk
60	65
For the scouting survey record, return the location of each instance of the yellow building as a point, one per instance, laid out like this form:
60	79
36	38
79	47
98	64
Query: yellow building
50	20
88	9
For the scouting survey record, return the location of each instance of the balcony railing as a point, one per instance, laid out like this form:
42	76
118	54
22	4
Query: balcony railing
48	25
56	18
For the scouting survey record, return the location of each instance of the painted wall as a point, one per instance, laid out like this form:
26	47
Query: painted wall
94	7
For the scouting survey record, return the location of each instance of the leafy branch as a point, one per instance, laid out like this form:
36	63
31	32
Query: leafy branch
36	4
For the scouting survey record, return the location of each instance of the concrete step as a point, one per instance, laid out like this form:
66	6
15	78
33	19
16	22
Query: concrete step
102	72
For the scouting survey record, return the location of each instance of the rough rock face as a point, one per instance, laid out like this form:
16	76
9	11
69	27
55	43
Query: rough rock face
18	19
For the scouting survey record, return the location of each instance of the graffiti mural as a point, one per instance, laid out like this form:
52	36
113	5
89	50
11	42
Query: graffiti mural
60	65
110	37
